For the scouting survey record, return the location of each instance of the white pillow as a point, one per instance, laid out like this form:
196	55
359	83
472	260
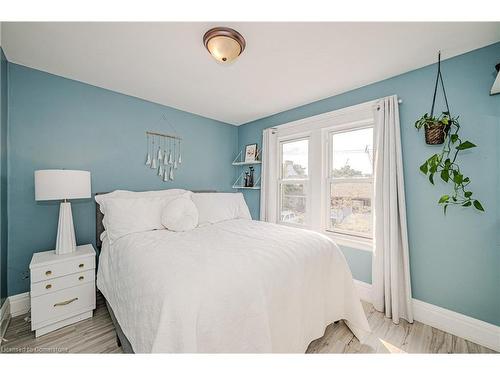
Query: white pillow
216	207
100	199
146	194
180	215
124	216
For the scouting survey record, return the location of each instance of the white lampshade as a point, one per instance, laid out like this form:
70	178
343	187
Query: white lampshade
55	184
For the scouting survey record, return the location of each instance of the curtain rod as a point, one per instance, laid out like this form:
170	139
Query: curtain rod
400	101
374	104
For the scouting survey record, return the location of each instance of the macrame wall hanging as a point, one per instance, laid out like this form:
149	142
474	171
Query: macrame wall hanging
163	154
443	129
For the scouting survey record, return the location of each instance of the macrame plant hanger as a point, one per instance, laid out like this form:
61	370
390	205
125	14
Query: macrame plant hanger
439	79
435	135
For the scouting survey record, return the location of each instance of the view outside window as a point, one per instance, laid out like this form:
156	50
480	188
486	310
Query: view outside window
351	182
293	181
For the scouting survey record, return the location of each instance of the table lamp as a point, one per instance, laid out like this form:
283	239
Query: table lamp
62	184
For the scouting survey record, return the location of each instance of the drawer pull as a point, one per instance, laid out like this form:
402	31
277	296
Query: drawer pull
81	265
66	302
48	273
48	286
81	278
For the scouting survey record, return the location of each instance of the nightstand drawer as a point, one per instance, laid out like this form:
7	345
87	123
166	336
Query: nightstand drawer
59	269
51	307
53	285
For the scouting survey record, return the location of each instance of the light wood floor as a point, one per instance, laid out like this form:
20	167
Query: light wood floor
97	335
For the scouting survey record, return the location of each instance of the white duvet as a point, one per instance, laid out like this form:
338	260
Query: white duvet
236	286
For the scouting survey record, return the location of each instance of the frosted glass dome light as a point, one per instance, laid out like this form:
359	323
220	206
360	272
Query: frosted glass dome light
224	44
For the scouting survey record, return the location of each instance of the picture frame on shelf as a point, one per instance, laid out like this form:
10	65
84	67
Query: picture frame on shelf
251	152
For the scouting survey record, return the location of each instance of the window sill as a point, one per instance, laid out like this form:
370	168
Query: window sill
340	239
350	241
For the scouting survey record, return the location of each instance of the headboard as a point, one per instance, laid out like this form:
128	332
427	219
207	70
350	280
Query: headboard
99	216
99	226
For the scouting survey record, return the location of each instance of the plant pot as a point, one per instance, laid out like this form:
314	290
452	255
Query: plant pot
435	133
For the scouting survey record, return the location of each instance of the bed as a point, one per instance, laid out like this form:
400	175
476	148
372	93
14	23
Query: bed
237	285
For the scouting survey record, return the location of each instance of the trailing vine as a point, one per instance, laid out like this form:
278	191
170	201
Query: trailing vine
445	164
444	130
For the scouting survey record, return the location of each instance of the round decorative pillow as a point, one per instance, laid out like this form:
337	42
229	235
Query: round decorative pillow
180	215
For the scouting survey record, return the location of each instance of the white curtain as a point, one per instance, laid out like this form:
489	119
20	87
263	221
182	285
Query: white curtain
391	265
268	176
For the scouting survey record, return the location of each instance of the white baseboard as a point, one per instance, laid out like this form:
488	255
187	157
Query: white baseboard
475	330
464	326
4	318
364	290
19	304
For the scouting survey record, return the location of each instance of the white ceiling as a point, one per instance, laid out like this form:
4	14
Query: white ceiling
283	66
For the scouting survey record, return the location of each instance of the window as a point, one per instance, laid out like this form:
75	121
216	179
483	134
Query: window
320	174
350	182
293	181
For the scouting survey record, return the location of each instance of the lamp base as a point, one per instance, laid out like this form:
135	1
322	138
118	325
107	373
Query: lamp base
66	242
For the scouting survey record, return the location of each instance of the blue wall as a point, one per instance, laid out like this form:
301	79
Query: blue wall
59	123
455	260
3	176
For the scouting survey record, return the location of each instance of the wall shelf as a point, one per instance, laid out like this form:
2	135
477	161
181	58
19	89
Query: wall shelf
239	183
240	162
237	163
246	187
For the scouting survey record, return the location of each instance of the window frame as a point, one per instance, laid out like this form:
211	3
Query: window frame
331	181
316	128
343	237
303	181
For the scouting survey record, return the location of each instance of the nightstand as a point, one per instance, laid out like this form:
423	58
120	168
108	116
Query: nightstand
62	288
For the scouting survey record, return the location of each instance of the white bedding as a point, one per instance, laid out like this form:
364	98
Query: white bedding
235	286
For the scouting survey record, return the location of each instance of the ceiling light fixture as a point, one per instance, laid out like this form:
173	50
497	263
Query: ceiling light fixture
224	44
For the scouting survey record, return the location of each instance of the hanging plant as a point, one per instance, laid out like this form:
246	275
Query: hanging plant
436	128
444	129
